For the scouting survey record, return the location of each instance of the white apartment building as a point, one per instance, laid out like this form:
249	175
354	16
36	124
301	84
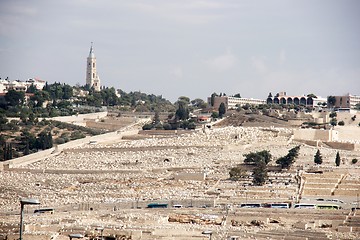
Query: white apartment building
234	102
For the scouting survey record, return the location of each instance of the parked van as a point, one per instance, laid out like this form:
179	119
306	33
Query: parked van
44	210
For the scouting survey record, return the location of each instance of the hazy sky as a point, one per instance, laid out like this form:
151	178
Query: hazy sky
187	47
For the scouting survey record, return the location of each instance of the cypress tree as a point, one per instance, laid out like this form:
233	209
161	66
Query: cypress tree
5	151
49	140
337	159
318	157
222	109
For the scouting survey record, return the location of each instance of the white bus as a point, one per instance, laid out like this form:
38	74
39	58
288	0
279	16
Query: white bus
305	205
279	205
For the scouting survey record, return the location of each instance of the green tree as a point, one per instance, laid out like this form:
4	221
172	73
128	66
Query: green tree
256	157
222	110
260	174
109	97
289	159
357	106
182	113
39	98
337	159
318	158
44	140
31	89
67	91
199	103
184	99
212	99
333	114
333	121
311	95
331	101
216	115
3	121
14	98
156	117
237	95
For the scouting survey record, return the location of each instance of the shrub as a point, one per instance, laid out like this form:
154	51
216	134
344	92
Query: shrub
77	135
60	141
147	126
237	173
333	114
341	123
159	126
167	126
333	121
191	125
354	161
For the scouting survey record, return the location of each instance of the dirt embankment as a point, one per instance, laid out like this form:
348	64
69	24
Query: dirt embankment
252	120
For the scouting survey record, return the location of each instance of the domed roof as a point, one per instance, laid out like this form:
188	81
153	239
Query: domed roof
91	54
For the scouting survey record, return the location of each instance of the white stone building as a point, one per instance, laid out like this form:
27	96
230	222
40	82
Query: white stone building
233	102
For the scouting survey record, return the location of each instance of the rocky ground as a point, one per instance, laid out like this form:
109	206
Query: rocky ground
104	184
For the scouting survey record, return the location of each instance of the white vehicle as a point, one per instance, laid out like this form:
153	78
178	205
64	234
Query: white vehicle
305	205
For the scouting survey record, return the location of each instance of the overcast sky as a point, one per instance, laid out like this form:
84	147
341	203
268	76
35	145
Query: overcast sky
187	47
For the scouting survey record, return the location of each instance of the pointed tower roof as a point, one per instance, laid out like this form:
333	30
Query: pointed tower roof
91	54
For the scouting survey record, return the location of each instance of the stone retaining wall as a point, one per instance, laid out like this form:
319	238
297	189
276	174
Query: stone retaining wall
342	145
316	134
317	191
34	157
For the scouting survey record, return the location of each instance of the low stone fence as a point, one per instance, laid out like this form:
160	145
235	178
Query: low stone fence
317	192
34	157
28	159
343	145
346	192
319	185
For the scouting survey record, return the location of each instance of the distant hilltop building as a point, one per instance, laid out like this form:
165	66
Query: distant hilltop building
282	98
345	102
21	86
92	78
233	102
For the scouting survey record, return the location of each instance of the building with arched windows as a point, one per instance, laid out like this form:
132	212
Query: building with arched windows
282	98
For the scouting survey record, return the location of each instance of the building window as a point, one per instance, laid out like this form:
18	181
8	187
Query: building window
93	75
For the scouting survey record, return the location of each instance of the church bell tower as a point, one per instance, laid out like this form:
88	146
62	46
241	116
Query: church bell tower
92	78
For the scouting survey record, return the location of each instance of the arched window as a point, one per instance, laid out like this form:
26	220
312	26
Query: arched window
302	101
310	101
276	100
296	101
269	101
289	100
283	100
